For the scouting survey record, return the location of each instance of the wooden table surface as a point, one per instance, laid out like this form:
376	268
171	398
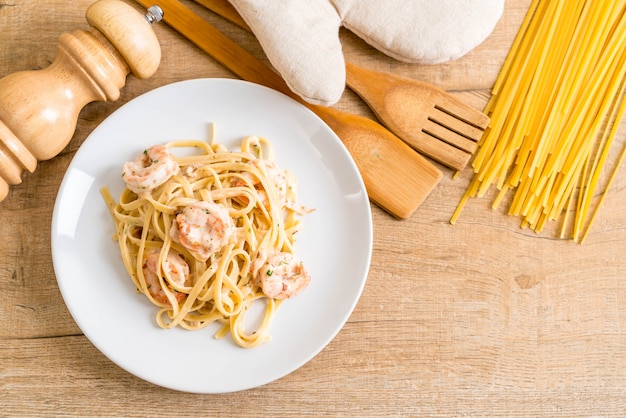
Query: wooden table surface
478	318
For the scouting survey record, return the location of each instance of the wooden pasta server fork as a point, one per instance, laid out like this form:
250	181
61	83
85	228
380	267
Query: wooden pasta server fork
427	118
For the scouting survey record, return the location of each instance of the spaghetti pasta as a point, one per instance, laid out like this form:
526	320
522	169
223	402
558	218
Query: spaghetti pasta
205	235
554	113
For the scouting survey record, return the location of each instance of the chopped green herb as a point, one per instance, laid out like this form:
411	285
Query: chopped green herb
269	272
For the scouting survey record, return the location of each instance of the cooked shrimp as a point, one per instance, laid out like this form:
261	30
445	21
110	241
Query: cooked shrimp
203	228
150	170
282	276
173	268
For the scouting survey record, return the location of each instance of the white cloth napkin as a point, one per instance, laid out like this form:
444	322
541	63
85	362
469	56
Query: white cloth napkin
301	37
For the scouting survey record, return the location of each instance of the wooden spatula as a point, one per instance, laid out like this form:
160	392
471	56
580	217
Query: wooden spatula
427	118
396	177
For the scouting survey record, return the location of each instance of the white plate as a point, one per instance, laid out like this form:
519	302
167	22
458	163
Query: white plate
335	243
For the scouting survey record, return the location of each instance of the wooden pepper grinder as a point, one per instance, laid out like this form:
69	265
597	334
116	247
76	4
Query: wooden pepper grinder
39	109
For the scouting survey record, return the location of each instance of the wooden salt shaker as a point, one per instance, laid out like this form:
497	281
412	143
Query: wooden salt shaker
39	109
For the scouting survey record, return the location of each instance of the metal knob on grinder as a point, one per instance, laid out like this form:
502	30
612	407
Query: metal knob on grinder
39	108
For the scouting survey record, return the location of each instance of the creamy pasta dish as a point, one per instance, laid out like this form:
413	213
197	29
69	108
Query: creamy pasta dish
205	234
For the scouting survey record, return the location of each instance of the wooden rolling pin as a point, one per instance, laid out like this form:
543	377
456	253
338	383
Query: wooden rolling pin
39	109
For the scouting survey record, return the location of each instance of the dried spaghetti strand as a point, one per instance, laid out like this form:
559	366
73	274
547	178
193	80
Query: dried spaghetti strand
620	160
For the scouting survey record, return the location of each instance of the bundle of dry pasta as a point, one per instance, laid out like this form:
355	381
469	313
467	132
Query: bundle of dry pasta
555	110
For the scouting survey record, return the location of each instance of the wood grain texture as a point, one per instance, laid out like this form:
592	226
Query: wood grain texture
477	319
